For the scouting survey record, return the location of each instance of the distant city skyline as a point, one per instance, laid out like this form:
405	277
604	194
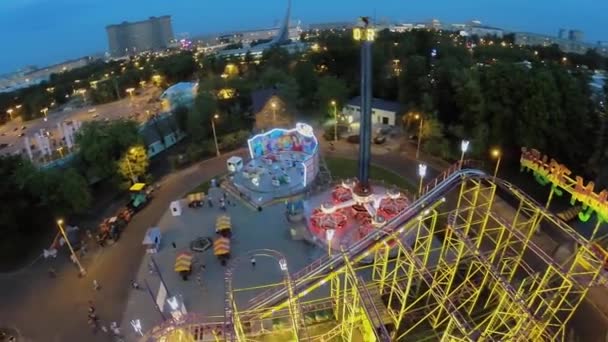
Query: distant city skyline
43	32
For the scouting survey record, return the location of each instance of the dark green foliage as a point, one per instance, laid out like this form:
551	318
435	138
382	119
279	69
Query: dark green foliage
103	143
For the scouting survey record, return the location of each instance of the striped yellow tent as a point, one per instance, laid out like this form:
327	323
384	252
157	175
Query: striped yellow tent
223	223
183	262
221	246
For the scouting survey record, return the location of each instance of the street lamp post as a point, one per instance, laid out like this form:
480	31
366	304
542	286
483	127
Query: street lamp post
464	146
67	241
329	235
130	92
496	154
333	103
421	173
274	112
418	116
217	148
133	180
44	111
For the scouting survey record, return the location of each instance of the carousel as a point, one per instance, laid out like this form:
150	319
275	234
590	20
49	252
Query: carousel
343	218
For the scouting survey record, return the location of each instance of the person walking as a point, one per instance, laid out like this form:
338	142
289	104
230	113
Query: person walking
252	262
135	285
96	286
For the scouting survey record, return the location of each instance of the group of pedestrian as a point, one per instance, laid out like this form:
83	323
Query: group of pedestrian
93	322
224	202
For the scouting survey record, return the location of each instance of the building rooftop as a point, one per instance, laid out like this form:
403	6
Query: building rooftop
390	106
126	23
259	98
177	88
161	125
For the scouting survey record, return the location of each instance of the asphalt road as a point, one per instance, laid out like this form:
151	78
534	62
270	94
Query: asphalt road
47	310
126	108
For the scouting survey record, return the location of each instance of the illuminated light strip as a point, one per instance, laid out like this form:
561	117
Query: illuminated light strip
558	175
305	173
292	130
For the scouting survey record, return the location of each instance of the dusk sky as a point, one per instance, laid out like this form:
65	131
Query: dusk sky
41	32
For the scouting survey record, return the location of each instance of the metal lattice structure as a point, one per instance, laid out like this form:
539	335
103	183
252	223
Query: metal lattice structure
469	272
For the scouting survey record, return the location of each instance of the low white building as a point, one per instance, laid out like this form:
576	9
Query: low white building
483	31
384	112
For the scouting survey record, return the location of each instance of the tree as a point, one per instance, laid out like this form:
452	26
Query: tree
413	81
276	57
306	78
68	191
134	164
199	118
101	144
32	200
331	89
286	85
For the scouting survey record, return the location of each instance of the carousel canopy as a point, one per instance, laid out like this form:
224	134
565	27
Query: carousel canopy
223	223
183	262
221	246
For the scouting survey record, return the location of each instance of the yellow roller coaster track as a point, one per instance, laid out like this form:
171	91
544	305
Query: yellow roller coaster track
465	272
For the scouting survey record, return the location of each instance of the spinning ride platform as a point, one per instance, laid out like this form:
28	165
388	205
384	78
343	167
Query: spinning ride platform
345	218
283	163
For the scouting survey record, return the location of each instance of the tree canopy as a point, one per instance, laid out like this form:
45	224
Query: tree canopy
103	143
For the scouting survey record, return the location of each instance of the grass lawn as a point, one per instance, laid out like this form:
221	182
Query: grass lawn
342	168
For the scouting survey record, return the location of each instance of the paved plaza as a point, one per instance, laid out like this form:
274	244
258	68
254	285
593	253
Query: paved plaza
267	229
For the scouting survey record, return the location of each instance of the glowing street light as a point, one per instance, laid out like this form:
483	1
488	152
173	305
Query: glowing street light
130	92
157	79
329	235
333	104
419	117
274	111
136	324
496	154
45	111
217	148
132	150
421	173
464	146
283	265
10	113
67	241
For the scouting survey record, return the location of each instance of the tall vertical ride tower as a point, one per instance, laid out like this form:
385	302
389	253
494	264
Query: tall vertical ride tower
365	34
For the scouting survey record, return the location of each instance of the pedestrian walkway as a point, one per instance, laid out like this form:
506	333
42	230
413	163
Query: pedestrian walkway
24	294
251	229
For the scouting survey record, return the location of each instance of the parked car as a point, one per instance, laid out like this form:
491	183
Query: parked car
379	139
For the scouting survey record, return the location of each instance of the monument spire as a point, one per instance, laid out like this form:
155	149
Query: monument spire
283	34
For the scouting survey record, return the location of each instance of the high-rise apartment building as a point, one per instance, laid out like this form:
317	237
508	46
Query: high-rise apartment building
129	38
576	35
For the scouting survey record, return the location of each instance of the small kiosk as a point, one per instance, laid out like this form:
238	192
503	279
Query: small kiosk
234	164
152	240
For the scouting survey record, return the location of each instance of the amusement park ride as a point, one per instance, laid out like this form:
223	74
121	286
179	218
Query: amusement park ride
420	270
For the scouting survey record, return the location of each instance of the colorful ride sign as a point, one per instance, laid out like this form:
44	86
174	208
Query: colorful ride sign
550	171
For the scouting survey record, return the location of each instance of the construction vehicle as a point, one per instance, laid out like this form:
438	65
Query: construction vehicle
141	194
